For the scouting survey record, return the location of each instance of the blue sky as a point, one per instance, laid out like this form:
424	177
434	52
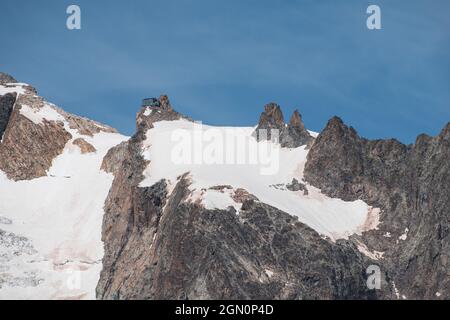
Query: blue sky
221	61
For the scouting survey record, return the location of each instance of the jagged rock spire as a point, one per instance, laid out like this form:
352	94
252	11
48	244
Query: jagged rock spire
165	103
272	117
297	135
153	110
296	120
291	135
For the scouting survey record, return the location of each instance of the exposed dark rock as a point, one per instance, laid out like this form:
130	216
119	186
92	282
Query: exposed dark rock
114	157
6	78
160	104
271	122
161	246
127	164
410	184
272	117
27	151
85	126
221	187
29	147
180	250
85	147
290	135
296	121
6	107
159	110
241	195
295	185
296	135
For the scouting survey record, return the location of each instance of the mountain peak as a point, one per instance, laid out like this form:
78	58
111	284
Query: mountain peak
445	132
154	110
306	204
161	103
337	128
34	132
335	121
6	78
296	120
165	103
272	117
291	135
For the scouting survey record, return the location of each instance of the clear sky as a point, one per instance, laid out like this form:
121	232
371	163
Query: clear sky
221	61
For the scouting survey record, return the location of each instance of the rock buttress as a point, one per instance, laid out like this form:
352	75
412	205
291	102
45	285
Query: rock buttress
410	184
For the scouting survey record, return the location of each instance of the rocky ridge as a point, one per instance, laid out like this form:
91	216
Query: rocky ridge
291	135
49	227
26	123
181	250
411	184
159	244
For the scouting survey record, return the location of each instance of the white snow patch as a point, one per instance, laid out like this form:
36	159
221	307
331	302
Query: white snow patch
404	236
375	255
269	273
438	294
387	235
397	293
12	87
215	199
148	112
313	134
332	217
61	214
153	239
37	115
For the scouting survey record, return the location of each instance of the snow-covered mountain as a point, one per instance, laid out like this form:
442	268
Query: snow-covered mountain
51	211
214	184
185	210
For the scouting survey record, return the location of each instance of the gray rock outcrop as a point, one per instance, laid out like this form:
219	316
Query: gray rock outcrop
158	245
290	135
6	78
180	250
6	107
28	147
411	184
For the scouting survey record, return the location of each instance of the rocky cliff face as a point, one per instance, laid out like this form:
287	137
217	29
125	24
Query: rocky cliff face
33	131
410	184
127	164
6	102
161	245
180	250
6	107
26	151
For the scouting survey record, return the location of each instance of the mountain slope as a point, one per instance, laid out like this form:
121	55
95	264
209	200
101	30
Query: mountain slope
223	230
411	185
52	193
182	210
